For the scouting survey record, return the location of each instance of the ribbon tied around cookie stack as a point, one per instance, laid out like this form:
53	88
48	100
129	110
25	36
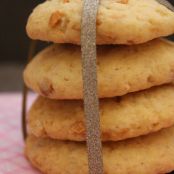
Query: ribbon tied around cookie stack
90	94
91	102
89	71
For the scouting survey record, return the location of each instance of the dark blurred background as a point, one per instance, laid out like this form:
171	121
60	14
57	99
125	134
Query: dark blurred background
14	41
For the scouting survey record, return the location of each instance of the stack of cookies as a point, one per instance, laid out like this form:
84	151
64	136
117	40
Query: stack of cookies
135	75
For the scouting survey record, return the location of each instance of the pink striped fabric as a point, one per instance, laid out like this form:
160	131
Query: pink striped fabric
12	159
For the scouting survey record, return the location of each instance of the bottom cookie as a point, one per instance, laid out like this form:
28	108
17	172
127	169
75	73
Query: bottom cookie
151	154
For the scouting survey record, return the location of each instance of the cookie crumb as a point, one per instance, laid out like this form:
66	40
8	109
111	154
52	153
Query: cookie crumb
55	19
78	128
123	1
46	87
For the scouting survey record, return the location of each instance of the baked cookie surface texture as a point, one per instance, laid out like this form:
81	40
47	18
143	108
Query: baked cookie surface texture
56	72
118	21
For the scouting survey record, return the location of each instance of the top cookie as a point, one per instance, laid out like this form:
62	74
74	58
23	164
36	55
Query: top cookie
118	21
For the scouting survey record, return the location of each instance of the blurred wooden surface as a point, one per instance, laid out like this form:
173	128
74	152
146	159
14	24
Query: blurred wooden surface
11	77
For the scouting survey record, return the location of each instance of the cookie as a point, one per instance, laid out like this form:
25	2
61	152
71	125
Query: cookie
121	118
56	72
152	154
118	21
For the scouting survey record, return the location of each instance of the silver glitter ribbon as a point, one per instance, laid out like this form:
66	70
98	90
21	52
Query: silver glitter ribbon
91	101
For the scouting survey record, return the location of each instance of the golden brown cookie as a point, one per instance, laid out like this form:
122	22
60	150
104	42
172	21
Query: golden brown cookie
118	21
121	118
56	71
151	154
